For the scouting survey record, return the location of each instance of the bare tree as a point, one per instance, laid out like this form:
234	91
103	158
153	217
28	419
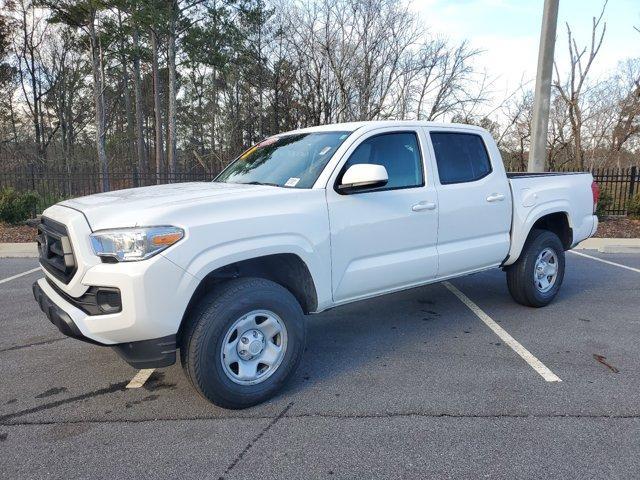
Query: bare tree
580	62
83	14
173	89
513	133
126	91
449	82
369	59
627	122
33	32
141	150
98	96
157	105
239	70
67	65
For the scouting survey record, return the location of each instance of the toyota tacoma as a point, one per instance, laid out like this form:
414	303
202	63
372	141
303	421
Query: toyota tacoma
224	272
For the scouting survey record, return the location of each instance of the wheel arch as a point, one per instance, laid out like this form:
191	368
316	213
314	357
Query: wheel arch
285	269
557	223
555	220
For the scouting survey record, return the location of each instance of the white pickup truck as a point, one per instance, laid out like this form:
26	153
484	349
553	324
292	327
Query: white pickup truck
304	221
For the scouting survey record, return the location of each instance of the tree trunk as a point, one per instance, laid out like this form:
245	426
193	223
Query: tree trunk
172	110
29	58
12	116
157	88
575	115
260	72
129	115
139	110
126	92
98	98
214	123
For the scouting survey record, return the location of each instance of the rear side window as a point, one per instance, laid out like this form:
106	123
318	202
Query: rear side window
461	157
397	152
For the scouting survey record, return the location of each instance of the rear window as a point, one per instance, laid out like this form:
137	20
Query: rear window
461	157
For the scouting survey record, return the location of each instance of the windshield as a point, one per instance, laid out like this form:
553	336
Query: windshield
294	160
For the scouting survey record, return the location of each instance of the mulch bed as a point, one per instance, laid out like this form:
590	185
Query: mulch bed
610	227
619	227
17	233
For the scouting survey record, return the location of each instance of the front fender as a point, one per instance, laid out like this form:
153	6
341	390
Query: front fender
220	255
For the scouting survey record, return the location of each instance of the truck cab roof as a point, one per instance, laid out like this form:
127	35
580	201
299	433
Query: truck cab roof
374	124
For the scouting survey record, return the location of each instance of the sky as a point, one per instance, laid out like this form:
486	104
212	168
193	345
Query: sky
508	31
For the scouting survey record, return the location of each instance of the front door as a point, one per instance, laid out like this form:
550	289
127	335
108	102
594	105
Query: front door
384	238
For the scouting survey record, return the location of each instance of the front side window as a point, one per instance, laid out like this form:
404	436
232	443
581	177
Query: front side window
399	153
461	157
293	160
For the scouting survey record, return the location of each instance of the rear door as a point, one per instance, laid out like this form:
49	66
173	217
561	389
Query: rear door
385	238
474	201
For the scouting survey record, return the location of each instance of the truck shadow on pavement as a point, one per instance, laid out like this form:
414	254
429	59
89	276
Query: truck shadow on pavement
365	335
369	334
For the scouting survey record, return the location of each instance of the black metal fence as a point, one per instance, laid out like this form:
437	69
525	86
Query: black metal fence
54	185
618	186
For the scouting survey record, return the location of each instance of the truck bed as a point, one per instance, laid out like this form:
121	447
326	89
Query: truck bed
538	194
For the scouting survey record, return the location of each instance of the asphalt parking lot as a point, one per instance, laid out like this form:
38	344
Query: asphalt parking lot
411	385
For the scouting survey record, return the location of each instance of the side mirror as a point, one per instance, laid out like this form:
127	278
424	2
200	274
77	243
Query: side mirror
364	175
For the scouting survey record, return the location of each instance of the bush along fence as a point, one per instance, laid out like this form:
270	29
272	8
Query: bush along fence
619	187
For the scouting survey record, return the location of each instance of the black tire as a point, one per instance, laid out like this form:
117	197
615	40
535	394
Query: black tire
520	275
206	327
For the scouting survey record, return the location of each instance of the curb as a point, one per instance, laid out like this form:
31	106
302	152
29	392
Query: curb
19	250
611	245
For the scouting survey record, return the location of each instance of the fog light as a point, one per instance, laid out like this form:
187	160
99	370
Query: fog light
108	299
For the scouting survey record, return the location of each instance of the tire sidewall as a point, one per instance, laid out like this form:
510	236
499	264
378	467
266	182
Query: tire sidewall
542	241
211	330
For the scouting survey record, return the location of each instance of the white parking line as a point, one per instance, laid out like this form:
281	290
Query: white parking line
5	280
140	377
526	355
637	270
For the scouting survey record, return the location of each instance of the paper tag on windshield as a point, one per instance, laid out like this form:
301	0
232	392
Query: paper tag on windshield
292	182
324	151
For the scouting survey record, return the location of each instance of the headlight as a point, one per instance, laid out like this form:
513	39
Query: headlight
133	244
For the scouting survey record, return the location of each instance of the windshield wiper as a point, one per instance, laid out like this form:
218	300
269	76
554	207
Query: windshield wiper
259	183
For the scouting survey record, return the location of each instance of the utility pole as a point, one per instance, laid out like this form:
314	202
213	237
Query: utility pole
542	98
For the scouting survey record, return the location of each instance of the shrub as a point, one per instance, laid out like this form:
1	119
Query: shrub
16	207
633	208
604	203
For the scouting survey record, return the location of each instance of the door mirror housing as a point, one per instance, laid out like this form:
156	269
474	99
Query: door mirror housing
364	175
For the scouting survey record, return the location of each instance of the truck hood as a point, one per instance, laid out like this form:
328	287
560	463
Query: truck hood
148	205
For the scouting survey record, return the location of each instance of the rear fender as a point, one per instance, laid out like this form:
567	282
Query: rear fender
521	227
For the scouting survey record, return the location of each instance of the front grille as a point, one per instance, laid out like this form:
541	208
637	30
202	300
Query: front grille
54	247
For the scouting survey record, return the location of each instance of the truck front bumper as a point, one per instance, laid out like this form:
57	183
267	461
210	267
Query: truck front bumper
153	353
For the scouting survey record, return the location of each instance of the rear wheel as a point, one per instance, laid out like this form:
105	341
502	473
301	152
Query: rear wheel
534	280
243	342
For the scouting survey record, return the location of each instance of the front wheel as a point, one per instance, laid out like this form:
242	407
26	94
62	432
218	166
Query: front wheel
243	342
534	280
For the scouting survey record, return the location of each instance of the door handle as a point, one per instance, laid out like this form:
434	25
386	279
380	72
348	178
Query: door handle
418	207
495	197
